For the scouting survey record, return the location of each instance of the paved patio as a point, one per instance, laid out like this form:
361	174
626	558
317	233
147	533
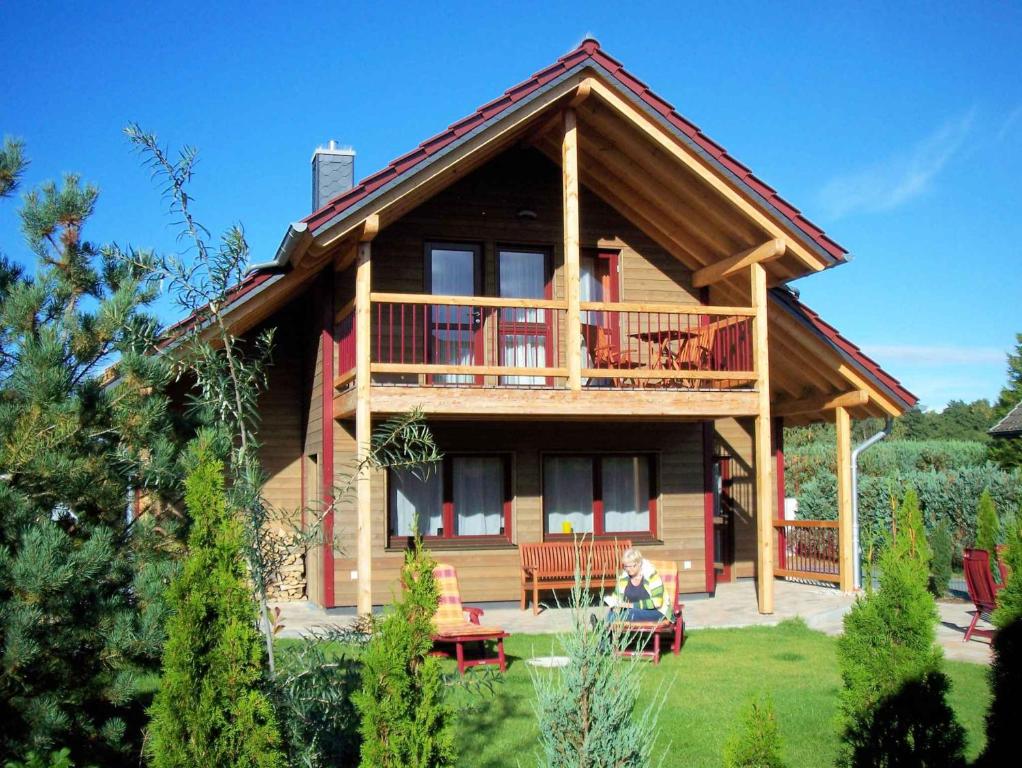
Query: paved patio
734	605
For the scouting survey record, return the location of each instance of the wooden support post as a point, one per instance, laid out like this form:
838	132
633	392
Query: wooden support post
845	545
763	457
569	178
363	429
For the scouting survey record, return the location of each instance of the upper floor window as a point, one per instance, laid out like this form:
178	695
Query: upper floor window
608	494
466	496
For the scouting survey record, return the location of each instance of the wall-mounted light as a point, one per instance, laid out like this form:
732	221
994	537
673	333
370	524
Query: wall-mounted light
526	213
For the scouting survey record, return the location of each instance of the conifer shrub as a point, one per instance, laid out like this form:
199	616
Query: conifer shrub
1005	712
586	711
988	530
942	545
60	758
210	711
893	699
406	722
757	742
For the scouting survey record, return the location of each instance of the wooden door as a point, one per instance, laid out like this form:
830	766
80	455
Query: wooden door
723	520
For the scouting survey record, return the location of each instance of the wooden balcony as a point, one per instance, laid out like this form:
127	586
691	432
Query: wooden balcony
471	356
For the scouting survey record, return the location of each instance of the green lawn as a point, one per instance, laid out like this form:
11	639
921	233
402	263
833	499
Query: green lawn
709	683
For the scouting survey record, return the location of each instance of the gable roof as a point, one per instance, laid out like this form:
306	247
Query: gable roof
1010	425
588	54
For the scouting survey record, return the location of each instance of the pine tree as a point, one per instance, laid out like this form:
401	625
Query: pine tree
71	444
405	721
893	699
1008	451
210	711
757	742
988	530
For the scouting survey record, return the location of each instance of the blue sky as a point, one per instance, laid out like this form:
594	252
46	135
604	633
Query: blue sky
899	130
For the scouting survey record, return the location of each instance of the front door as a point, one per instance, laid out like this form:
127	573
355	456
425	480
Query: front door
723	519
455	335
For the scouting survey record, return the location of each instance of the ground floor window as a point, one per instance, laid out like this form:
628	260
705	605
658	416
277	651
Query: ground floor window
608	494
464	496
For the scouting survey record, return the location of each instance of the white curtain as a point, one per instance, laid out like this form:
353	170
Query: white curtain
478	495
411	496
625	493
523	276
452	273
568	494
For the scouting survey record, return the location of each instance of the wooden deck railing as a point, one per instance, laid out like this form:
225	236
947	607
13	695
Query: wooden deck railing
478	341
807	549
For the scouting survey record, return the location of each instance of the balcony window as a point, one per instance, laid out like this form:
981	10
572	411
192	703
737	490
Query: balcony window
524	333
601	495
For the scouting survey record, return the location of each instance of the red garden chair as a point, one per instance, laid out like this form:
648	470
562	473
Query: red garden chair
982	589
451	628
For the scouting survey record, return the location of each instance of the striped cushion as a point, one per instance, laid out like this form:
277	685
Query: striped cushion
668	570
449	610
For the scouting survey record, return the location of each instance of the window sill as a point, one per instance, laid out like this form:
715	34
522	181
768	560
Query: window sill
400	544
643	539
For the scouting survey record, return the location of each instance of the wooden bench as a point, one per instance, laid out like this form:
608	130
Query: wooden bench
551	565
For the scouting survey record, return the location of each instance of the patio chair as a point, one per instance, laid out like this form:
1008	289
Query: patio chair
982	590
695	353
646	632
605	353
451	628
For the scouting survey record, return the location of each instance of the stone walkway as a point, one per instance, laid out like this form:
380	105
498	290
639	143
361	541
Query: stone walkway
734	605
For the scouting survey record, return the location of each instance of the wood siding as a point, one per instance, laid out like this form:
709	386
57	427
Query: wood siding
482	209
492	574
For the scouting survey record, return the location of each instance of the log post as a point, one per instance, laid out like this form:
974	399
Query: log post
763	455
363	429
569	178
845	545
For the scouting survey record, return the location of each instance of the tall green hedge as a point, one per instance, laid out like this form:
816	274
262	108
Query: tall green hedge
951	496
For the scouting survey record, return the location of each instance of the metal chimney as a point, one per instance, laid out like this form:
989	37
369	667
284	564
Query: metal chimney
333	173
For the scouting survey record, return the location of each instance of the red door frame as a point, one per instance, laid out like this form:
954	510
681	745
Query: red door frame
544	329
476	325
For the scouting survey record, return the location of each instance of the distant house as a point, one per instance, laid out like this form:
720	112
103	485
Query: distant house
587	297
1010	425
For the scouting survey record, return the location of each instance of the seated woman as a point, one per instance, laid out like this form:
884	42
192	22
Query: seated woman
639	593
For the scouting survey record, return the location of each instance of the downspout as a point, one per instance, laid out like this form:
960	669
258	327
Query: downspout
857	565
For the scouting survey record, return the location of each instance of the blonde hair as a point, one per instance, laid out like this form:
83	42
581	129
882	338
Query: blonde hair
631	556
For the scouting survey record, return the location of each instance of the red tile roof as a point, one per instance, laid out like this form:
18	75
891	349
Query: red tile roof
589	50
857	355
236	293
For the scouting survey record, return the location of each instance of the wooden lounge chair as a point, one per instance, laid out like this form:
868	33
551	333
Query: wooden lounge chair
453	629
646	633
982	589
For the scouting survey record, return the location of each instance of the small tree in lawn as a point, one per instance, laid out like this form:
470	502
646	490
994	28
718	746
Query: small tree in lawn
405	720
586	709
210	711
893	703
757	742
988	530
1005	712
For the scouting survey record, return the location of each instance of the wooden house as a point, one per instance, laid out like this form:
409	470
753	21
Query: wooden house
587	298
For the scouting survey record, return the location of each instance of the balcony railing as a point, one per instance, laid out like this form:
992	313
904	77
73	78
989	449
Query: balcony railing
473	341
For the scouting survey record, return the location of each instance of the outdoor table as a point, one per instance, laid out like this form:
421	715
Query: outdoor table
663	340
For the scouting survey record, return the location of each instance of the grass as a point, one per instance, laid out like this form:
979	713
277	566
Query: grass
710	681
